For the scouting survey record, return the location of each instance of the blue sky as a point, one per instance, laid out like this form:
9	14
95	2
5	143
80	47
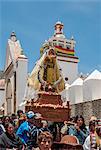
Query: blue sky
33	21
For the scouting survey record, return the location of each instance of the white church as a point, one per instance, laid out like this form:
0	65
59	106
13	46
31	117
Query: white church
14	90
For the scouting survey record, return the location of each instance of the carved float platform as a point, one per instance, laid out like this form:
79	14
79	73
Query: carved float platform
50	106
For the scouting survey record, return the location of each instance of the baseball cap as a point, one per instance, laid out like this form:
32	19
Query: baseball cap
30	115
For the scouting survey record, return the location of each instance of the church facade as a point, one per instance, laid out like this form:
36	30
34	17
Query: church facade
14	90
15	76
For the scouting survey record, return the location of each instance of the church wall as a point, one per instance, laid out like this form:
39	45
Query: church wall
69	70
21	80
12	101
96	89
91	90
2	96
71	95
87	109
75	94
9	78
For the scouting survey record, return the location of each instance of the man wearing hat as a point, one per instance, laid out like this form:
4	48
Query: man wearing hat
24	129
35	131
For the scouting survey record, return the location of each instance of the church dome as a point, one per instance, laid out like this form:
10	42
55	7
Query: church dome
60	36
78	81
59	23
59	30
94	75
92	86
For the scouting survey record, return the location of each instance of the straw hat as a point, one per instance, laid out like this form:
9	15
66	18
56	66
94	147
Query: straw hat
93	118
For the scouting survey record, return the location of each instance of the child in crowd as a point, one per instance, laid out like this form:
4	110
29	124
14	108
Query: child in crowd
45	141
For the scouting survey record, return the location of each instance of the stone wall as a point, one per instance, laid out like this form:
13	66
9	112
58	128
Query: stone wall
87	109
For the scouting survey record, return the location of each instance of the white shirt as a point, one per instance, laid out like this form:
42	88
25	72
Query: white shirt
86	144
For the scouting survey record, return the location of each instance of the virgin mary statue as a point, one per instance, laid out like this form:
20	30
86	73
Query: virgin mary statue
46	74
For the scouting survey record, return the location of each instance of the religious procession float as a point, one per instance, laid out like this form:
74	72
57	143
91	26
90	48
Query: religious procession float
47	80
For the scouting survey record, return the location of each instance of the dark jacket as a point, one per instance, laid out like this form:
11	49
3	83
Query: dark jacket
81	135
1	130
8	141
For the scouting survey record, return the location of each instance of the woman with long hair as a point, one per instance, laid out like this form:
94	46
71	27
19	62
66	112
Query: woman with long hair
79	129
9	139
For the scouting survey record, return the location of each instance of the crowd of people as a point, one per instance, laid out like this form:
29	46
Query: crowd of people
28	131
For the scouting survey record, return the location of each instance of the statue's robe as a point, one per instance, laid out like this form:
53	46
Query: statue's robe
49	72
